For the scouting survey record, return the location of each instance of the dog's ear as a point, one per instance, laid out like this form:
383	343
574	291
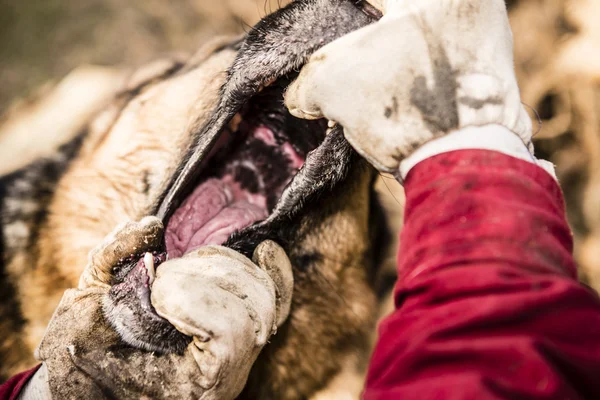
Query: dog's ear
154	71
36	126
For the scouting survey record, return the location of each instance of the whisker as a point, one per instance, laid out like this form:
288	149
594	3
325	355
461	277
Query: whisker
390	190
537	115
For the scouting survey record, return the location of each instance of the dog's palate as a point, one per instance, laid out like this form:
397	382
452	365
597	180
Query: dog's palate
240	187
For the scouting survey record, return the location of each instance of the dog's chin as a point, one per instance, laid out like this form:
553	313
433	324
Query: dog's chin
144	331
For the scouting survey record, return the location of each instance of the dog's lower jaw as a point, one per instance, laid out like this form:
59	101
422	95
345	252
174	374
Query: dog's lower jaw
160	336
128	309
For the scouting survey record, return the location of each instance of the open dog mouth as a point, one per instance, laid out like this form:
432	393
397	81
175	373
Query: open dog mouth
254	159
252	163
240	182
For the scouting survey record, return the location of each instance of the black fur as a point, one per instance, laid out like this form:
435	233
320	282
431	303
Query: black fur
24	199
34	184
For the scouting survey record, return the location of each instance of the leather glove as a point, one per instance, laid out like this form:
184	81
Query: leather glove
85	357
427	68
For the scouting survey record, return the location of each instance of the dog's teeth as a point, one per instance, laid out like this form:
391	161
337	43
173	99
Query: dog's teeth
330	126
149	263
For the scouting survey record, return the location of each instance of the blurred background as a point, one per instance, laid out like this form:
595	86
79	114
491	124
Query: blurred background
71	55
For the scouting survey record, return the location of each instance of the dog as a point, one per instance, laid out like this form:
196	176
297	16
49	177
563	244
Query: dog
191	130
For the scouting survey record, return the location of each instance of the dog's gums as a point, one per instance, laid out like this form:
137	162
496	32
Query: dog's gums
253	162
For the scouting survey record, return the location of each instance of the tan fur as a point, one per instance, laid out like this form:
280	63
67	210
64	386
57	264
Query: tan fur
31	128
105	185
333	307
132	149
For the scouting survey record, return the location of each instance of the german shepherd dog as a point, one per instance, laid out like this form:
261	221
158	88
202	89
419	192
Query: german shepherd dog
210	132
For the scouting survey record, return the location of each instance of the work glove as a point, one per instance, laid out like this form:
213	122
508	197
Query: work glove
425	69
228	304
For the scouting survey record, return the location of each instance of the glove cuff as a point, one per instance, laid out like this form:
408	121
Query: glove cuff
488	137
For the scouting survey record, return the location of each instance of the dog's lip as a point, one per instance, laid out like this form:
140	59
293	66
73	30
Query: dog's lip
246	76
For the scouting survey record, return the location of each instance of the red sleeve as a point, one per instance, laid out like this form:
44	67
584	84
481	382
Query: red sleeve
11	389
487	302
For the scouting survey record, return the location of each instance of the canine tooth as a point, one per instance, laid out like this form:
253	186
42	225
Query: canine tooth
330	126
149	263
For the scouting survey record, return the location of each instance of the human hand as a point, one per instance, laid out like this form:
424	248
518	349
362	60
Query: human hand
225	303
427	68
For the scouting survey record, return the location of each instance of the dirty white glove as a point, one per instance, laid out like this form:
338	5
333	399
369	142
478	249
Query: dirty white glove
427	68
228	304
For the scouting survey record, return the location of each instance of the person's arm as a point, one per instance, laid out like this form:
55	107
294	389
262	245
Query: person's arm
487	302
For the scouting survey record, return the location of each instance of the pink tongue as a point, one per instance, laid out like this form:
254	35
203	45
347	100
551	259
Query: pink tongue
215	210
